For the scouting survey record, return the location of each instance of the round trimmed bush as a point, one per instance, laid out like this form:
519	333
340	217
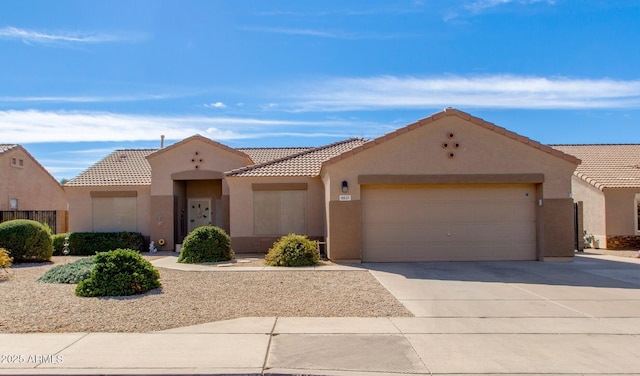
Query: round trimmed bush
206	244
120	272
26	240
293	250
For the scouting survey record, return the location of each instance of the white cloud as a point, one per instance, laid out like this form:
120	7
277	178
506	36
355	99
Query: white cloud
39	126
498	91
332	34
480	5
89	98
216	105
476	7
10	32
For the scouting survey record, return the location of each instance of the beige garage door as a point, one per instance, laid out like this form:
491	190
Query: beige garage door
448	223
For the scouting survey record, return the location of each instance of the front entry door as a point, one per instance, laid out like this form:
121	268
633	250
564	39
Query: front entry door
200	213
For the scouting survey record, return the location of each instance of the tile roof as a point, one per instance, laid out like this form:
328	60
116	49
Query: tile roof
203	139
463	115
128	167
6	147
607	166
262	155
305	163
120	168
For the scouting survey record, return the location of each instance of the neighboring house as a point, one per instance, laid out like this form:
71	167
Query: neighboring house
448	187
606	189
28	191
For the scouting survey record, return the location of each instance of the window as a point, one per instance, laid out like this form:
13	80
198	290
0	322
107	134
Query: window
13	204
17	162
279	212
114	214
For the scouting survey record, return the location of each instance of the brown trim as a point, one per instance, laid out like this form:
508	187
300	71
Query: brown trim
452	179
102	194
279	186
197	175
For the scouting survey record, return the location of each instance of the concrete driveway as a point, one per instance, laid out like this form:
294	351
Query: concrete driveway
513	317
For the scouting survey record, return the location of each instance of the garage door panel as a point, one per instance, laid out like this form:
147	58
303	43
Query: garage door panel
437	223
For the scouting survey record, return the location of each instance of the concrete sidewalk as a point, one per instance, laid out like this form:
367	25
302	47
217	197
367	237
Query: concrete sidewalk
532	318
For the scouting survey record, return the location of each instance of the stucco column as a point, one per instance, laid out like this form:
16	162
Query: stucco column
345	231
162	222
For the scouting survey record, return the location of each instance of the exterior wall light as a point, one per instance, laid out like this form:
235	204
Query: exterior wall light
345	186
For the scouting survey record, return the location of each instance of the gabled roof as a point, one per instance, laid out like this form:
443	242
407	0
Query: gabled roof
6	147
120	168
463	115
305	163
129	167
203	139
262	155
607	166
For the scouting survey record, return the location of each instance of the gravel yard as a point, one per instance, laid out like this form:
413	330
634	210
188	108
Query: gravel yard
190	298
611	252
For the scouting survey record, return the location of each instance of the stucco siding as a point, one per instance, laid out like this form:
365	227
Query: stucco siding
451	150
81	206
478	151
34	188
593	212
193	155
241	204
621	211
30	183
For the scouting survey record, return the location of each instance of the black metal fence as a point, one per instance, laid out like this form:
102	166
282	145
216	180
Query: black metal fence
42	216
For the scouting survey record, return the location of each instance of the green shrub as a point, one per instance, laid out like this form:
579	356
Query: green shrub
73	272
48	228
90	243
119	272
58	244
25	240
293	250
5	264
206	244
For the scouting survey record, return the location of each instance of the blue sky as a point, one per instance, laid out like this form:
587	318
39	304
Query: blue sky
82	78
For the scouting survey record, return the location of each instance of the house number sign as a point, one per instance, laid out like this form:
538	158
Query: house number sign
345	197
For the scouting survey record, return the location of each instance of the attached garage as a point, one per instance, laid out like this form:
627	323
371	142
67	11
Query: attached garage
448	222
450	187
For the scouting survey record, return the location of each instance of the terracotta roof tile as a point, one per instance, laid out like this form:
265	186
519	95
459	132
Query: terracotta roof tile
607	166
262	155
6	147
305	163
129	167
122	167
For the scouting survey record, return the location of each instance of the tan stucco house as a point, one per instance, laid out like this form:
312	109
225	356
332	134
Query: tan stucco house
448	187
28	191
606	189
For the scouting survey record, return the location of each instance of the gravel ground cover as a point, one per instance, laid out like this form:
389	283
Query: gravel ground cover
190	298
611	252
